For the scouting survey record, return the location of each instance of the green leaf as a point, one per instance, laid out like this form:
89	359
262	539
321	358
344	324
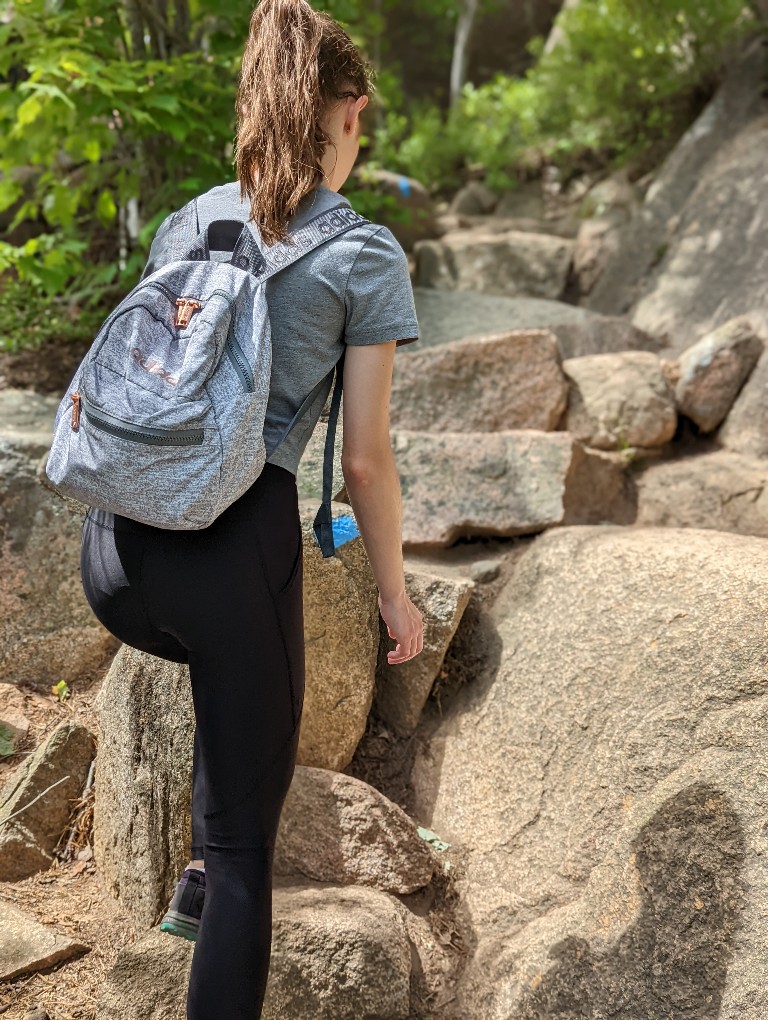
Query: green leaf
47	89
7	745
106	209
29	111
142	117
10	192
26	211
92	150
163	102
432	838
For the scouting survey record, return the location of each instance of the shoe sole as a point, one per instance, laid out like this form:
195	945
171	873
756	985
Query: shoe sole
180	924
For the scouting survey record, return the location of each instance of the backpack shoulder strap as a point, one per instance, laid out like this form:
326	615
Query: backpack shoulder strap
174	236
267	262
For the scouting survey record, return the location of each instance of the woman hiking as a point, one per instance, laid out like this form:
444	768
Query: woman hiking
227	599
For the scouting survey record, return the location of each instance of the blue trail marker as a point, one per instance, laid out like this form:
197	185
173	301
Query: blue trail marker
344	529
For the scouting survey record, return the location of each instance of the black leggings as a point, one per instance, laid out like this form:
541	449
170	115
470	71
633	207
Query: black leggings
228	601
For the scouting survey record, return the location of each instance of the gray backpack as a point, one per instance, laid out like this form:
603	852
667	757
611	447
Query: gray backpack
163	421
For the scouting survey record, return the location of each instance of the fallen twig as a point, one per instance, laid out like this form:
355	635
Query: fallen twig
34	800
83	795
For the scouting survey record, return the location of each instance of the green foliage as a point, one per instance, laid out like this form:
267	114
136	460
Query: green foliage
432	838
61	690
106	127
29	315
102	129
620	84
7	743
98	129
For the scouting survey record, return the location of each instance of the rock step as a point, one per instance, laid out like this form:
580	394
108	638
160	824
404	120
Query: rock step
448	315
484	384
338	953
504	483
515	264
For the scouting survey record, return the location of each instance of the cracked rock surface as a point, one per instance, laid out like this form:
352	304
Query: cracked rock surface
604	774
721	490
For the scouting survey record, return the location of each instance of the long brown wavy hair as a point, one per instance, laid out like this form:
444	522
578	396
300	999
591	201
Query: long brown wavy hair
297	64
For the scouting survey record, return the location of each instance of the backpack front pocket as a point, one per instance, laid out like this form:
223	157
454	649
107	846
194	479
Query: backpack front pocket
163	476
122	429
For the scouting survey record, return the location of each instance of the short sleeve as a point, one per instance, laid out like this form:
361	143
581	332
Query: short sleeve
379	297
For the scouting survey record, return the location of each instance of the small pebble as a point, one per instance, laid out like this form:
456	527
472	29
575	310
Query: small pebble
485	570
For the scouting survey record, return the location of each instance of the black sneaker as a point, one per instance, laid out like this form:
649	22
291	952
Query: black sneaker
183	915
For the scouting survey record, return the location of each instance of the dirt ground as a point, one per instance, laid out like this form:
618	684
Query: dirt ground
69	896
46	369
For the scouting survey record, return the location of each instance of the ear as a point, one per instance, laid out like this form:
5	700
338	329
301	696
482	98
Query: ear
355	108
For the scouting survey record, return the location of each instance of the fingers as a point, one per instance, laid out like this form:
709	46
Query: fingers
403	652
407	647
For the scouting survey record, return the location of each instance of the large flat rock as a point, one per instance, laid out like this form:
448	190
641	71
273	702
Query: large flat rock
515	264
447	315
27	946
503	483
482	384
602	777
716	262
630	271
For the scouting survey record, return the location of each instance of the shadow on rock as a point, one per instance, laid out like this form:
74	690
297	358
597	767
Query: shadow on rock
672	963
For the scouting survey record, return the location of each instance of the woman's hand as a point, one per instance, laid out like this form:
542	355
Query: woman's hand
404	625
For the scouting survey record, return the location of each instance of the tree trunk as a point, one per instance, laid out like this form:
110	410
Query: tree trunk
557	35
135	24
156	15
464	27
181	26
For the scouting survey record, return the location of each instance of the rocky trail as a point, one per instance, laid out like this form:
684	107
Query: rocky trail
557	811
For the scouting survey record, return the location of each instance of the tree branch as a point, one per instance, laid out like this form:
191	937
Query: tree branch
464	28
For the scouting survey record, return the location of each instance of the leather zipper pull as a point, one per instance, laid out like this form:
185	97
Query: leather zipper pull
75	412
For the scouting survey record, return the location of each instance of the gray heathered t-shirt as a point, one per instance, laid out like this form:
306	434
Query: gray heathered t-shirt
354	289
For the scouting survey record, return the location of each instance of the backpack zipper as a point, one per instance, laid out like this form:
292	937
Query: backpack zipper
232	347
234	350
114	426
240	363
